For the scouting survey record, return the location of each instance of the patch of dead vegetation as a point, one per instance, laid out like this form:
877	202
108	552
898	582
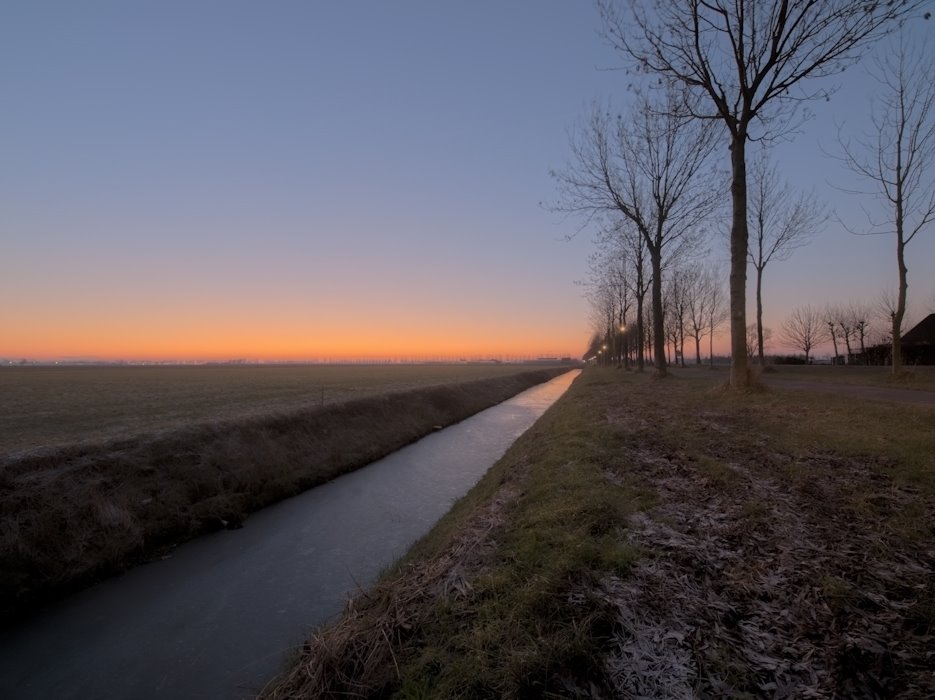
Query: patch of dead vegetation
775	586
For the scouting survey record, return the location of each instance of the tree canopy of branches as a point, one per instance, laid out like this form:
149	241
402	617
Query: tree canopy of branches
646	168
804	329
781	220
746	63
898	157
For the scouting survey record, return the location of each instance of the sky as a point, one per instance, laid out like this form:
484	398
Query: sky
329	180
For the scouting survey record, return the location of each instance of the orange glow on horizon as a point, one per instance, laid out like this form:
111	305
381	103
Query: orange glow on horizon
218	342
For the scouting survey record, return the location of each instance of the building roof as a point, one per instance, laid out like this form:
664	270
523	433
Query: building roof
922	334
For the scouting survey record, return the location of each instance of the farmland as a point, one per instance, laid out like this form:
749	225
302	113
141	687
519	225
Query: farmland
54	406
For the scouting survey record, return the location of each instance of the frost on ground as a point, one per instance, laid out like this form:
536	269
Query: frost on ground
758	583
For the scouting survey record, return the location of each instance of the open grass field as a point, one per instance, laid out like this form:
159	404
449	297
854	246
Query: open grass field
665	539
74	513
54	406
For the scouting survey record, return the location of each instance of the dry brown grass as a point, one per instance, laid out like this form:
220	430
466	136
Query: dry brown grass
73	514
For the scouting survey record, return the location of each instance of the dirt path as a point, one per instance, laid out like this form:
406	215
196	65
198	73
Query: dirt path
865	392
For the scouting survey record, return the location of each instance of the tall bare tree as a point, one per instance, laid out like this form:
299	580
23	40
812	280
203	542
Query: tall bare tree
898	157
603	292
746	63
804	329
829	319
621	240
717	314
781	220
755	336
699	284
860	314
675	303
648	169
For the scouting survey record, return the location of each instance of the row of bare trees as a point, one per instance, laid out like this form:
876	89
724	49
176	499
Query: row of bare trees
809	326
850	328
741	70
620	278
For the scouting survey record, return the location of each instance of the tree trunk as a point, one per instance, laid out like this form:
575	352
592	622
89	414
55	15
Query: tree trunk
711	343
697	348
834	342
759	316
847	346
682	345
900	299
640	363
739	365
626	346
659	331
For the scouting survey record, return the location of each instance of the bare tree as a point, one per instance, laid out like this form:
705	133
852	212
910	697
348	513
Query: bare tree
638	280
846	326
860	315
676	312
717	314
829	317
755	336
699	285
606	297
803	329
898	157
781	220
746	63
646	167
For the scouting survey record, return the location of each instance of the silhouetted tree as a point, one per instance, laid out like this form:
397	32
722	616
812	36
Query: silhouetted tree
743	63
717	314
829	317
860	315
699	284
899	158
781	220
803	329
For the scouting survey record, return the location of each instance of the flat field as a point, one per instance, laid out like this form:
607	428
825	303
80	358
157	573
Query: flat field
54	406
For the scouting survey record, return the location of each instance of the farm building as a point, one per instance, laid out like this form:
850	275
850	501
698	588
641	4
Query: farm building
919	343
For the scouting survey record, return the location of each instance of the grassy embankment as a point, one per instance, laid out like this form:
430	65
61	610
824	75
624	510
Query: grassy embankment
664	539
73	514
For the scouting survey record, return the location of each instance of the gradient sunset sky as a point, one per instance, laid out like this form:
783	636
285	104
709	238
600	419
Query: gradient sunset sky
322	179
